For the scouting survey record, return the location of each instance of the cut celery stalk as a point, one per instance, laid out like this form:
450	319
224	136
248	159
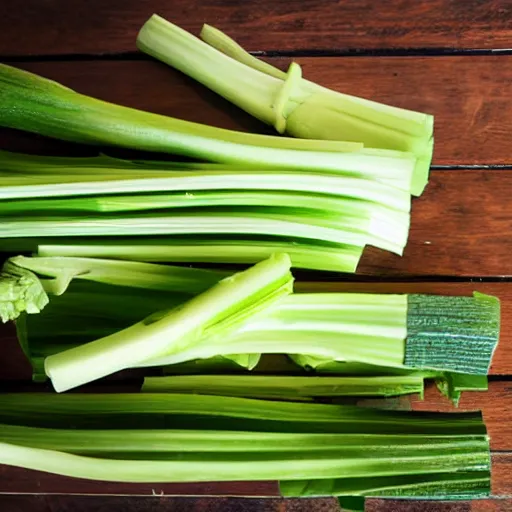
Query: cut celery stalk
213	224
288	102
21	187
304	254
366	328
376	124
61	271
42	106
146	410
161	442
201	468
284	387
171	330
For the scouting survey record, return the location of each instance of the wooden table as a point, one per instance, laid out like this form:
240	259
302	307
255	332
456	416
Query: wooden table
451	58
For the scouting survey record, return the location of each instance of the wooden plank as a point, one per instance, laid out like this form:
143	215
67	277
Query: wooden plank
14	366
469	96
96	27
202	504
20	481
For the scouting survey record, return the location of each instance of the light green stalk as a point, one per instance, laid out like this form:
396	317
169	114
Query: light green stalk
286	101
172	331
58	272
284	387
304	254
20	291
38	105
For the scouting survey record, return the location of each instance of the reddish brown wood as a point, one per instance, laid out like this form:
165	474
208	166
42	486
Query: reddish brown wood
468	96
59	27
170	504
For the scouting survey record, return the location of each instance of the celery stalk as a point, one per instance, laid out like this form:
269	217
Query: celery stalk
159	410
337	258
284	387
264	467
169	331
58	272
43	106
288	102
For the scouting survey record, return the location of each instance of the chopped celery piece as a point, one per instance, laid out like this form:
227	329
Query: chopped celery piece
39	105
20	291
288	102
304	254
459	334
174	330
58	272
284	387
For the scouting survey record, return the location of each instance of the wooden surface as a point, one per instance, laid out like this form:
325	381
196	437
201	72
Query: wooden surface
97	26
430	55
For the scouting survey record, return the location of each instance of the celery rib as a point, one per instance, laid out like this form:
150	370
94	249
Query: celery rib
166	331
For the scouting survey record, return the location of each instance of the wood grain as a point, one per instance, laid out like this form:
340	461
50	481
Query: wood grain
172	504
97	27
468	96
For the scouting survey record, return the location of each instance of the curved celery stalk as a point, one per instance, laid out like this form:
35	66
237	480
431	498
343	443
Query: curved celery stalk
339	258
171	330
288	102
38	105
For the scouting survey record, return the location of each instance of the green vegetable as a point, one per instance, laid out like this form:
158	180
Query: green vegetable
36	104
286	101
199	412
119	198
304	253
222	306
284	387
184	438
